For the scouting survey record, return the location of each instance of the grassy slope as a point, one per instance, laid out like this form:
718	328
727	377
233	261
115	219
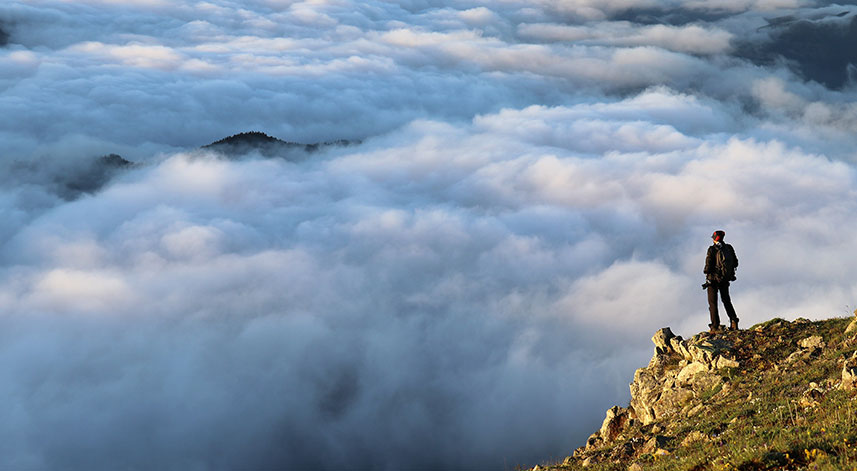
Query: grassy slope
765	416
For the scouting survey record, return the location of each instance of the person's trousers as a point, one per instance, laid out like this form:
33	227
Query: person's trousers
723	289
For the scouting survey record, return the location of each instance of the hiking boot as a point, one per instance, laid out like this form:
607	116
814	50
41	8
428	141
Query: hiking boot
733	324
713	329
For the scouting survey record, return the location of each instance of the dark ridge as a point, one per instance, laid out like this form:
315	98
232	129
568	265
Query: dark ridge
245	143
252	138
67	179
93	177
673	17
4	36
815	50
114	161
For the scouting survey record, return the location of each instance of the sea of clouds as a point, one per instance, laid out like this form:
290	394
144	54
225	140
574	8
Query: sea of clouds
528	196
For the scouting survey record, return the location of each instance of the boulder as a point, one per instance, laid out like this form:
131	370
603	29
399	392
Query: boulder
688	373
661	339
614	423
655	443
692	410
814	342
849	374
679	346
594	441
811	396
666	386
797	355
773	324
852	327
706	350
645	390
693	437
725	362
705	382
671	402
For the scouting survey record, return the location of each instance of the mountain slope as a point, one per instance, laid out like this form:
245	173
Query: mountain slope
778	396
268	146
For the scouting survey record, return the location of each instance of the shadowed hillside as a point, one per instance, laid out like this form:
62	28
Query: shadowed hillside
268	146
68	179
778	396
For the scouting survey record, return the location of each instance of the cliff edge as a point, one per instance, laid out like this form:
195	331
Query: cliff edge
777	396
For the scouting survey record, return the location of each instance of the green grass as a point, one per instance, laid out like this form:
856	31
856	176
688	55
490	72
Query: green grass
757	421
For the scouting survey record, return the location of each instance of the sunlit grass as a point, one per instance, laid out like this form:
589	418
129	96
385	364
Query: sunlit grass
767	416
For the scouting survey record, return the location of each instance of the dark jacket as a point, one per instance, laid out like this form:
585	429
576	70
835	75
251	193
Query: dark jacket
711	271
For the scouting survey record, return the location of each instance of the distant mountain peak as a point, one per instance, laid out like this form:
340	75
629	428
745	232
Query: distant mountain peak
115	161
248	138
93	176
4	36
245	143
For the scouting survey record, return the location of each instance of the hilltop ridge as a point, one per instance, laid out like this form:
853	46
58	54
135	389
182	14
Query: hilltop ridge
268	146
777	396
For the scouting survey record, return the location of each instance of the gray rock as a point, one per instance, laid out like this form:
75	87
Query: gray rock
706	350
661	339
796	355
594	441
706	382
814	342
671	402
693	437
724	362
849	374
691	410
680	346
614	423
655	443
644	393
688	373
852	327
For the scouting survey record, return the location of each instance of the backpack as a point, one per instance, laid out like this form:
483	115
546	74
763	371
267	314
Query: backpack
726	262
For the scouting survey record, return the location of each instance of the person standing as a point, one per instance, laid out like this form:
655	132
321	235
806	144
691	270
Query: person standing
720	265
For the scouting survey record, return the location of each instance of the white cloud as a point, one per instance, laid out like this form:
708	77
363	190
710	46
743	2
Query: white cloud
133	55
531	199
80	292
744	5
689	38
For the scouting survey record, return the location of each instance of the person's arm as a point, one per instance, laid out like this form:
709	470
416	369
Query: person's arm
708	261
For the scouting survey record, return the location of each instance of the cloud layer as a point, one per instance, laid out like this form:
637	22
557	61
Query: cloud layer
470	286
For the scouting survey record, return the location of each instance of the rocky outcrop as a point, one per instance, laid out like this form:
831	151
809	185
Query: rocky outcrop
680	371
849	374
680	374
849	369
699	395
852	327
617	419
851	330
